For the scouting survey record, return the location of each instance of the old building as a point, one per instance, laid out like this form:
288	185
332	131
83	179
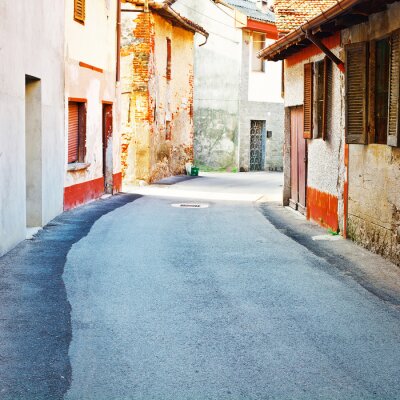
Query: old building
92	144
31	117
342	157
238	103
157	60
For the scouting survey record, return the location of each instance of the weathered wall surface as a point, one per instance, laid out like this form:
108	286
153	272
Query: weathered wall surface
157	112
269	108
217	83
374	170
31	43
94	44
326	172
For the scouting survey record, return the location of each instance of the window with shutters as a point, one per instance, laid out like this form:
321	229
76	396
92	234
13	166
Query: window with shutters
393	137
79	11
381	86
356	92
76	132
308	100
322	95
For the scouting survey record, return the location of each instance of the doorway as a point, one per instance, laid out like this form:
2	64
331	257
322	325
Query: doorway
298	161
107	147
33	151
257	145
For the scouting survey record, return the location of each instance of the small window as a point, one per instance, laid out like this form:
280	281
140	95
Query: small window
76	132
382	57
258	45
79	11
169	59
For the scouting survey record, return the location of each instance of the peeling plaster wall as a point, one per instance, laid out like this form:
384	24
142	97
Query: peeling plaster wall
31	43
326	172
217	84
374	170
151	102
93	43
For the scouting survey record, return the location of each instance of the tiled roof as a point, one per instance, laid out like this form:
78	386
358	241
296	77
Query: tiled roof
249	8
290	14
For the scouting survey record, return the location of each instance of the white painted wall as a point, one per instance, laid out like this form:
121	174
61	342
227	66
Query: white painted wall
265	86
31	43
93	43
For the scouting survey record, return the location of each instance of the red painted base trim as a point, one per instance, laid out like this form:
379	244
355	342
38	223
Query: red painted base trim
117	186
323	208
81	193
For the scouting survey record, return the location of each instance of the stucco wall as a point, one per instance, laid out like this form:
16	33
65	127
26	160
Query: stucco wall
31	43
217	83
151	101
270	111
93	43
326	172
374	169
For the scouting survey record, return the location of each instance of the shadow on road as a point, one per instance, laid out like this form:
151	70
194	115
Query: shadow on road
35	322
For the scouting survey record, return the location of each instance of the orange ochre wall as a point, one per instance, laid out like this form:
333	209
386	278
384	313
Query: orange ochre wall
323	208
84	192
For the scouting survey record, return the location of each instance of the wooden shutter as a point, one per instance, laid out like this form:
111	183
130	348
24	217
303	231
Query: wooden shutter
327	96
356	93
73	132
394	83
79	10
308	100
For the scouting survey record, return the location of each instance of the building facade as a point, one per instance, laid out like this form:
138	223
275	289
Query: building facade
92	140
238	104
342	165
157	91
31	117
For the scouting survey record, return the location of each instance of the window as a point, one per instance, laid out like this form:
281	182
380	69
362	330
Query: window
169	59
79	11
257	64
372	91
317	98
382	51
76	132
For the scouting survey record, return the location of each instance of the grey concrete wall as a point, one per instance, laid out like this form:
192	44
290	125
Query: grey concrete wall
216	86
272	113
31	43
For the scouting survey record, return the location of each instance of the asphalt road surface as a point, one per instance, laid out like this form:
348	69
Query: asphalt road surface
164	302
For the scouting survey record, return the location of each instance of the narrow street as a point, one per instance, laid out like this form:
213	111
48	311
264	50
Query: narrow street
160	302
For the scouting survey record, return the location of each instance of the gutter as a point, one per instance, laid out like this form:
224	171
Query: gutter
300	33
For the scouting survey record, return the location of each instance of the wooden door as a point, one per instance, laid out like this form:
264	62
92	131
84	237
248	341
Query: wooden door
107	148
298	161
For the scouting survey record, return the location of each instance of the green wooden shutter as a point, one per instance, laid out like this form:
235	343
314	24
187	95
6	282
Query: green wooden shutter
394	83
356	93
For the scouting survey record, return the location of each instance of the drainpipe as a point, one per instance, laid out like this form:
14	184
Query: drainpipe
146	6
118	69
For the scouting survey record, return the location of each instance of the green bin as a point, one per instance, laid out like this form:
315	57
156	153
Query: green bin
194	171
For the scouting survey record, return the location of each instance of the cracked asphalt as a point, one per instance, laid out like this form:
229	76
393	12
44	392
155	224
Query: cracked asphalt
130	298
